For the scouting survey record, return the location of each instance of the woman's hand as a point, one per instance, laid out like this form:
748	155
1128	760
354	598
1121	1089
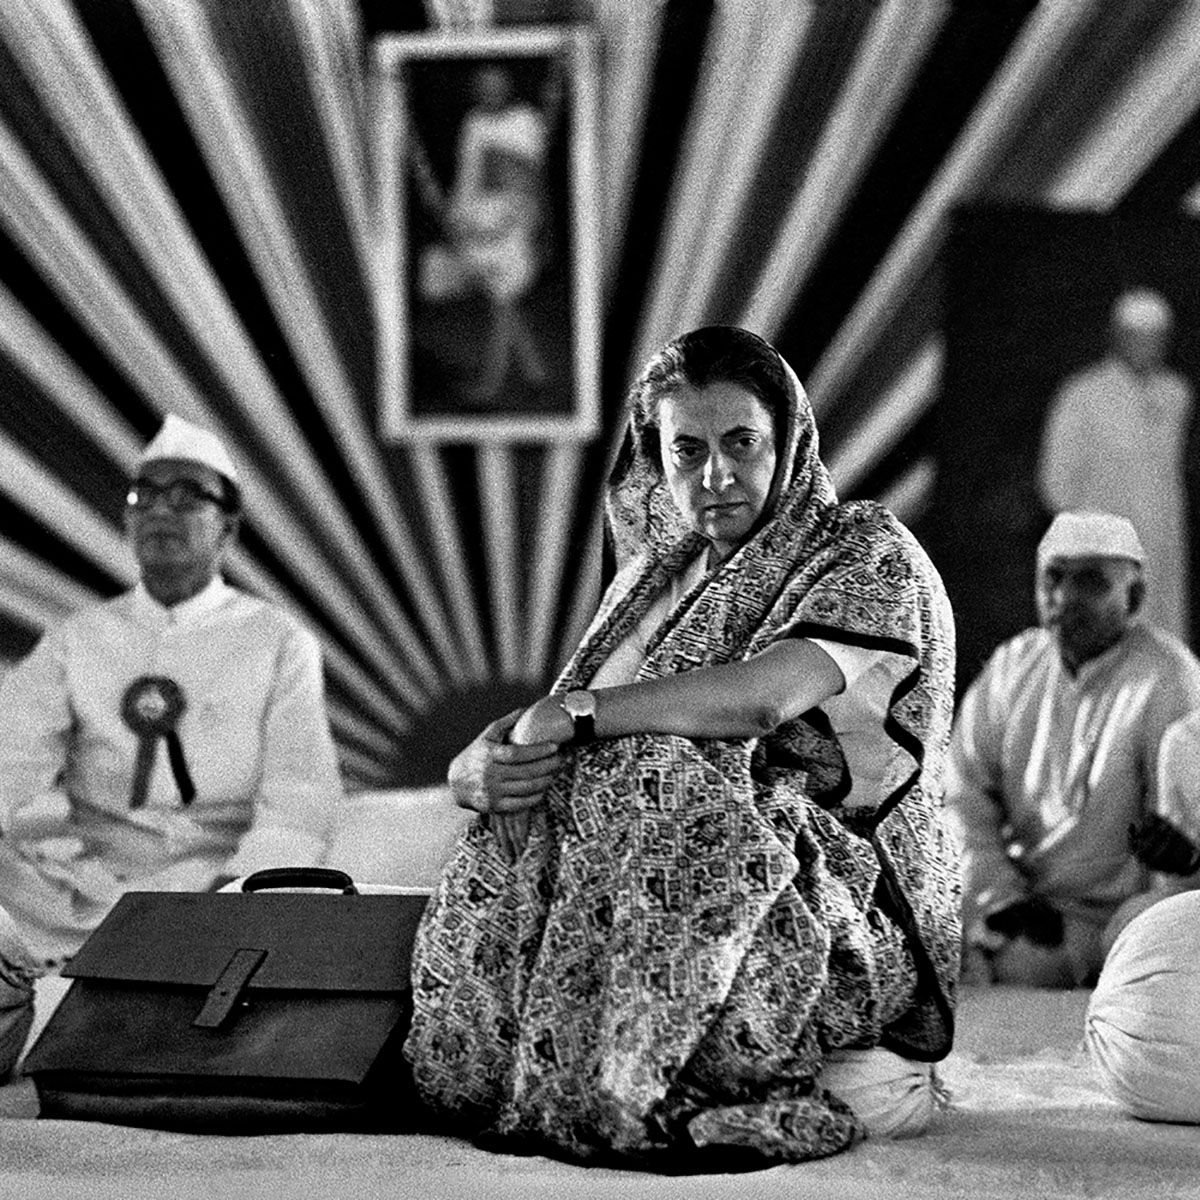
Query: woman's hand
504	780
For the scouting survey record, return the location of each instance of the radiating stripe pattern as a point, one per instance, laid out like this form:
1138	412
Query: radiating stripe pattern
189	222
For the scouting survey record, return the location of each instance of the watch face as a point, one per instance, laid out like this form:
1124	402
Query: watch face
580	704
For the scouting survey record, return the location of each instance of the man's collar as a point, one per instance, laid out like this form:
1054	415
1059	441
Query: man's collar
186	611
1099	663
1126	370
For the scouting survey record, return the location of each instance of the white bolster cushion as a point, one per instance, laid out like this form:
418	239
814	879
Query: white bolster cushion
1143	1021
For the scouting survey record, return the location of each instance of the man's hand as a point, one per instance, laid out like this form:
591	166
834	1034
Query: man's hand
1032	919
1163	846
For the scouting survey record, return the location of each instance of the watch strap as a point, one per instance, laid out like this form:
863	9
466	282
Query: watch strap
585	729
583	724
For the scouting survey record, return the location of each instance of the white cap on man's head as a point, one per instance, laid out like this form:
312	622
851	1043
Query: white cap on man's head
181	439
1090	535
1142	308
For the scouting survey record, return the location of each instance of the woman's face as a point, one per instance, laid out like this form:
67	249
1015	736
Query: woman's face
718	453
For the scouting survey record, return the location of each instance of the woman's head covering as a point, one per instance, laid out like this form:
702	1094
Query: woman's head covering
643	518
844	574
847	574
814	568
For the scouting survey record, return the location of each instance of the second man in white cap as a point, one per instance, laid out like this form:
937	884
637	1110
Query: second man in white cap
1054	757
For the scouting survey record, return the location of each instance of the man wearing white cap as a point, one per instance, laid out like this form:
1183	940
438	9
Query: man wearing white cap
1114	441
179	729
1054	755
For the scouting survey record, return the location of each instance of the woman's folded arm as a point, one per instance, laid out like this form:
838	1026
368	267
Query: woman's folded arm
731	700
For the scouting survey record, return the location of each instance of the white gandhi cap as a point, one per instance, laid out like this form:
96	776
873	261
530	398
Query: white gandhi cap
1090	535
1142	308
181	439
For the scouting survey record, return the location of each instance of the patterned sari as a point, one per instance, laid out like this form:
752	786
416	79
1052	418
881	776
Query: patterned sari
696	922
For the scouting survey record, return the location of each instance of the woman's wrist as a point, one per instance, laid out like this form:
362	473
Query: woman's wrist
543	721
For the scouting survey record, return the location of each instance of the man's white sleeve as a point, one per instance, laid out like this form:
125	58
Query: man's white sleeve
975	802
1179	775
35	725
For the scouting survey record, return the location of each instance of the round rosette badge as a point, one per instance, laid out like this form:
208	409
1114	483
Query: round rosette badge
151	707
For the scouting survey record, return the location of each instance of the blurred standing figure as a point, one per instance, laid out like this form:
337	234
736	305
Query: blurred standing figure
1114	442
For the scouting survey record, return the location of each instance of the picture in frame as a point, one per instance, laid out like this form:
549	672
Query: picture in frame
487	305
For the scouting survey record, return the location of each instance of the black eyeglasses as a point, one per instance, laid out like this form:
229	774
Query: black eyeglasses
184	495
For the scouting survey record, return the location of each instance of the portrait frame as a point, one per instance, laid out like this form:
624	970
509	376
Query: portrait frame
488	273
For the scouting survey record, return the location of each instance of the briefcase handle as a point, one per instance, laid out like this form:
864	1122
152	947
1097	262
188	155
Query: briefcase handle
307	877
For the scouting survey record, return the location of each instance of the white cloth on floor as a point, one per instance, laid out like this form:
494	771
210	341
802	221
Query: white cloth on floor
894	1097
1143	1020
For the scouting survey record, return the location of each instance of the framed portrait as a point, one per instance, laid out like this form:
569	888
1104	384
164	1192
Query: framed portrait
488	304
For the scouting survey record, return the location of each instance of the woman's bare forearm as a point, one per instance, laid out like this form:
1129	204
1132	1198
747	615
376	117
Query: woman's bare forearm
733	700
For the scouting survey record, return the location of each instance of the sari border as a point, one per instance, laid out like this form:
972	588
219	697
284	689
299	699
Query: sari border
889	892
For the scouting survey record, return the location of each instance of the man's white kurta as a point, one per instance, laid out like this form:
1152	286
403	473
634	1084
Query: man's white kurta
254	733
1048	770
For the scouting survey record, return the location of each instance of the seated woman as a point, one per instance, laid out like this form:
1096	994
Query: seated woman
711	899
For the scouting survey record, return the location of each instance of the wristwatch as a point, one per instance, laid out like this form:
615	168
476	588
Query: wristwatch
580	706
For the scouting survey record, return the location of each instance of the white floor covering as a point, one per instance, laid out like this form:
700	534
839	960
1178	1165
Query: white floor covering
1027	1120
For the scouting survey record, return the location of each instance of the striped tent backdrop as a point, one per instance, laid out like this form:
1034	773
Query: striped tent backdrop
190	222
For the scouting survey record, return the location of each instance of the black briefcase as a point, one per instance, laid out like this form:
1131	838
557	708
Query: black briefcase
239	1012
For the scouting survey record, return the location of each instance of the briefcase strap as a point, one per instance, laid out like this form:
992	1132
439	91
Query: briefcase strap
224	994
